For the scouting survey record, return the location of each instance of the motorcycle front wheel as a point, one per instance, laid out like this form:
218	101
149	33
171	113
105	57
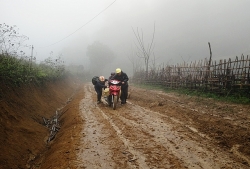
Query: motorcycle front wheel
115	100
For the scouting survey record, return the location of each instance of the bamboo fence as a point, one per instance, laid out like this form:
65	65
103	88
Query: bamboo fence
224	75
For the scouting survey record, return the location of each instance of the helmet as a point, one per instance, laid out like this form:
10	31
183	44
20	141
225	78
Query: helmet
112	73
101	78
118	70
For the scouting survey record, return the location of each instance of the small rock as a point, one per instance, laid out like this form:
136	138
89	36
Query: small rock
160	104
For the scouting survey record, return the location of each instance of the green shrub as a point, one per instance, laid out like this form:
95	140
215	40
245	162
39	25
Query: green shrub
17	71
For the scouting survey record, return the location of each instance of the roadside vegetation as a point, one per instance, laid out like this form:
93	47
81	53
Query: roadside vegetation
14	70
240	97
17	68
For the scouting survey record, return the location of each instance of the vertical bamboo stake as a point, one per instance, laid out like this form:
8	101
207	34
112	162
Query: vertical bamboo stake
248	73
210	58
236	70
243	73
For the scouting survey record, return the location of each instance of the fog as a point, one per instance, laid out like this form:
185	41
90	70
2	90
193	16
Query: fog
183	29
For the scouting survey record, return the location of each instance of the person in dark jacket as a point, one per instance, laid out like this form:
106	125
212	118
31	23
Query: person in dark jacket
123	78
98	87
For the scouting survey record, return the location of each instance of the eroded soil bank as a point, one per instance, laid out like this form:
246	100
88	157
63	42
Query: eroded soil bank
23	135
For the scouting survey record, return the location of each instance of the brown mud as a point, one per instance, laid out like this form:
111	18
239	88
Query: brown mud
158	130
153	130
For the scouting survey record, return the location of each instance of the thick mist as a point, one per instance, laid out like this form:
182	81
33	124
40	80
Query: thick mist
182	29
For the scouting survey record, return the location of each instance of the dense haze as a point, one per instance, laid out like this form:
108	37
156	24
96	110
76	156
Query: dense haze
183	28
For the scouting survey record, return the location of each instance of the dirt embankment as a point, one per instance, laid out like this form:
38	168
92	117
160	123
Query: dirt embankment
22	133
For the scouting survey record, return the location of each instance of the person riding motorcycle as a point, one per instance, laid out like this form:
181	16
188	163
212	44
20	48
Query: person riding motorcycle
123	78
98	87
110	77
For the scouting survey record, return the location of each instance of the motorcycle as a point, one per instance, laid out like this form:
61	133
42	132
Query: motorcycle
114	93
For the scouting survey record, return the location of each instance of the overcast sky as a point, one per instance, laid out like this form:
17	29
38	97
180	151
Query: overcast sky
183	28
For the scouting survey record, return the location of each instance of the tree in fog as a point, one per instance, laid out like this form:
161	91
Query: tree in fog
144	52
135	61
10	40
100	56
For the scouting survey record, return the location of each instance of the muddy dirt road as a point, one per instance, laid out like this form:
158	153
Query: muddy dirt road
159	130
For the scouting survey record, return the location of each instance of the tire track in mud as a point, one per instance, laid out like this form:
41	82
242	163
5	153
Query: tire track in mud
93	154
127	143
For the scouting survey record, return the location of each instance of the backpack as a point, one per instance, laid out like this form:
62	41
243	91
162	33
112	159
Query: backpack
94	80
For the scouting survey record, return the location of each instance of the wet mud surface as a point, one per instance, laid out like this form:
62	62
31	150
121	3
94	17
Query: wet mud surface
160	130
